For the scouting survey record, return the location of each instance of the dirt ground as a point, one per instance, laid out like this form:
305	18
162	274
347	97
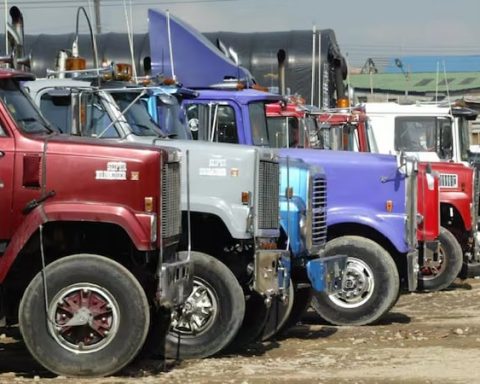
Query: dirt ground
426	338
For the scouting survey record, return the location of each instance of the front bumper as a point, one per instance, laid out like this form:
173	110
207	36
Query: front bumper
326	273
412	270
272	270
175	281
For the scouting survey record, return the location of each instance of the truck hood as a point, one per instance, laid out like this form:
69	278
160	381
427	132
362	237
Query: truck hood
358	179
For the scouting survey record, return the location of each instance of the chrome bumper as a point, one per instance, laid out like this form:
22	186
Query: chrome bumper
175	281
326	273
271	272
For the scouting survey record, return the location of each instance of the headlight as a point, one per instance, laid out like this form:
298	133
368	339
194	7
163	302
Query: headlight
419	219
303	226
153	228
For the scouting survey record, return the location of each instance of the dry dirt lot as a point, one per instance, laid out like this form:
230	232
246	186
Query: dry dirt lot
427	338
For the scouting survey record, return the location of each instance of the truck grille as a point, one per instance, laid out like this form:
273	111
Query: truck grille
268	195
448	180
171	210
319	210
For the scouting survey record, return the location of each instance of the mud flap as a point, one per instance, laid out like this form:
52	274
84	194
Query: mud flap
326	273
176	281
272	272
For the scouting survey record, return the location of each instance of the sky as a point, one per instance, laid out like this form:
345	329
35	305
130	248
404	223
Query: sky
367	28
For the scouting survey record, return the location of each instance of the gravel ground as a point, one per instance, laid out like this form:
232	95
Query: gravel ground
426	338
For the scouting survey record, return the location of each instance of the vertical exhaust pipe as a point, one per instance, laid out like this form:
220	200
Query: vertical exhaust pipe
15	32
281	58
16	36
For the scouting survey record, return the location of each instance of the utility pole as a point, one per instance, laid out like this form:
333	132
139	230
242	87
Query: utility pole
98	24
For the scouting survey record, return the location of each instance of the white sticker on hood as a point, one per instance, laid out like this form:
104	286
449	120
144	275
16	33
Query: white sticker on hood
116	170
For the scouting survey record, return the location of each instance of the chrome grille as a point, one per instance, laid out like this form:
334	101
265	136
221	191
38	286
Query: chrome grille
318	211
171	210
268	195
448	180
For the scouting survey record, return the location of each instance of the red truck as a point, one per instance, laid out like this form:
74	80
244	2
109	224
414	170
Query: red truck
349	130
305	131
88	239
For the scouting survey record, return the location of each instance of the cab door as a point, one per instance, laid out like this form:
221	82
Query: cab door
7	155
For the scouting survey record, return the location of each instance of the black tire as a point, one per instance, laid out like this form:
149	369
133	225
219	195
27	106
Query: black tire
439	275
278	314
256	315
374	281
83	350
473	269
301	301
214	286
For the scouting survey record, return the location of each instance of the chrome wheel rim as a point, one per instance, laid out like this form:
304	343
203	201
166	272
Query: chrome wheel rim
357	285
83	318
199	311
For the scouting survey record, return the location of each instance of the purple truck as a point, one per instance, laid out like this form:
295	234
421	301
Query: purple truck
371	204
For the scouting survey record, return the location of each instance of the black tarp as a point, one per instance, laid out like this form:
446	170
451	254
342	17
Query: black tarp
257	52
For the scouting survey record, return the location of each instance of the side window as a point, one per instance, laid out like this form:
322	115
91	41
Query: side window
445	144
58	111
193	120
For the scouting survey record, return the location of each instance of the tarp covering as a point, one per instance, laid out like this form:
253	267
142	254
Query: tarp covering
198	62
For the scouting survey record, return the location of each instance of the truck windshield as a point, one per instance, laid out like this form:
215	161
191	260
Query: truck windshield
172	117
283	132
424	134
258	122
137	114
22	109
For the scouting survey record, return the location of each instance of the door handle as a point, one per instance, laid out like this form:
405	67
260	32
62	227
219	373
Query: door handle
2	153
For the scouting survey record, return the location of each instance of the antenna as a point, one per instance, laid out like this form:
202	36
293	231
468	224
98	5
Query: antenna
6	27
436	85
320	79
446	87
130	38
314	35
170	48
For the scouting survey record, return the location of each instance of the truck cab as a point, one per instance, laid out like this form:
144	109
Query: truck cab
89	240
353	130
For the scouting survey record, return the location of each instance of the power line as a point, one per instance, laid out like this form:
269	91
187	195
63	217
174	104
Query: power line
48	4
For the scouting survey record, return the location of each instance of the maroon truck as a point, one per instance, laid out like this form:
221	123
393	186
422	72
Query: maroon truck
88	238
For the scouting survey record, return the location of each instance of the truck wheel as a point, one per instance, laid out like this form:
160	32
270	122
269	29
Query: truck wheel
94	322
278	314
370	285
212	314
301	301
256	315
473	270
437	275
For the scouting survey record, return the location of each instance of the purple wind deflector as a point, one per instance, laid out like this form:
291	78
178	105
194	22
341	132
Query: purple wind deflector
197	63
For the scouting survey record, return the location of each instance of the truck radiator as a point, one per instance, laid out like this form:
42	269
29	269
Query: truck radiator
268	195
171	194
318	211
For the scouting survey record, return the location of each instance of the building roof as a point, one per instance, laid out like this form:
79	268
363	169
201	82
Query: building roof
417	83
